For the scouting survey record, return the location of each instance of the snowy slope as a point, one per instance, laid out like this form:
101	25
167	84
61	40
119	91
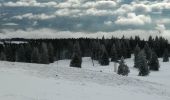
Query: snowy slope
57	81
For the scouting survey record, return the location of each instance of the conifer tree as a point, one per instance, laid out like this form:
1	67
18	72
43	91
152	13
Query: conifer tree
104	58
153	62
142	64
114	53
166	56
20	54
44	54
136	52
148	51
76	57
2	56
28	50
95	50
123	69
51	53
35	56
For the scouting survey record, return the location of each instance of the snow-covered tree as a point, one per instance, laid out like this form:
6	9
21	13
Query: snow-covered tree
76	57
154	62
136	52
166	56
104	58
35	56
142	64
123	69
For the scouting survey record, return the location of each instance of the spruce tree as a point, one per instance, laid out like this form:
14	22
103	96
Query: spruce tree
114	53
28	50
76	57
51	53
136	52
2	56
154	62
148	51
142	64
104	58
44	57
20	54
123	69
166	56
35	56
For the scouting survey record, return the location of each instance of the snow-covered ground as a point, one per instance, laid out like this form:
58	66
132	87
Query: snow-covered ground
58	81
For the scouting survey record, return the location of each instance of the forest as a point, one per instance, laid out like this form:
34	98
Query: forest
45	51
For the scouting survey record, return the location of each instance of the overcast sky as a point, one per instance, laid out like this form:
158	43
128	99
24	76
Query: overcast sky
88	16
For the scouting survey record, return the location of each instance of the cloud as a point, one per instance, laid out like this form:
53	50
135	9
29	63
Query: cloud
142	8
96	12
68	12
100	4
50	33
108	23
133	19
163	21
10	24
160	27
34	17
29	3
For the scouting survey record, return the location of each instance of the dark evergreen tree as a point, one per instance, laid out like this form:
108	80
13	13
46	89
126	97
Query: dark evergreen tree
2	56
51	52
35	56
123	69
114	53
44	57
28	51
104	58
20	54
142	64
76	57
136	52
166	56
95	50
153	62
148	51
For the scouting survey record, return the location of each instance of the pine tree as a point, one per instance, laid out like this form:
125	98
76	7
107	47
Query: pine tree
35	56
2	56
95	50
51	52
20	54
28	51
142	64
123	69
148	51
136	52
76	57
166	56
44	54
114	53
104	58
153	62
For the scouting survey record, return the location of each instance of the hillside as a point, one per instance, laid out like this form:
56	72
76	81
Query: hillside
25	81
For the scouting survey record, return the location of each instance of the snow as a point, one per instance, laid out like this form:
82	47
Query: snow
58	81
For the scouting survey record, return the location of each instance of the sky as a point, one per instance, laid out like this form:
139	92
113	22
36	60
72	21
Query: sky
84	16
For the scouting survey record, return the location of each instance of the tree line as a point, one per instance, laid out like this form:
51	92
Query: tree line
103	50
